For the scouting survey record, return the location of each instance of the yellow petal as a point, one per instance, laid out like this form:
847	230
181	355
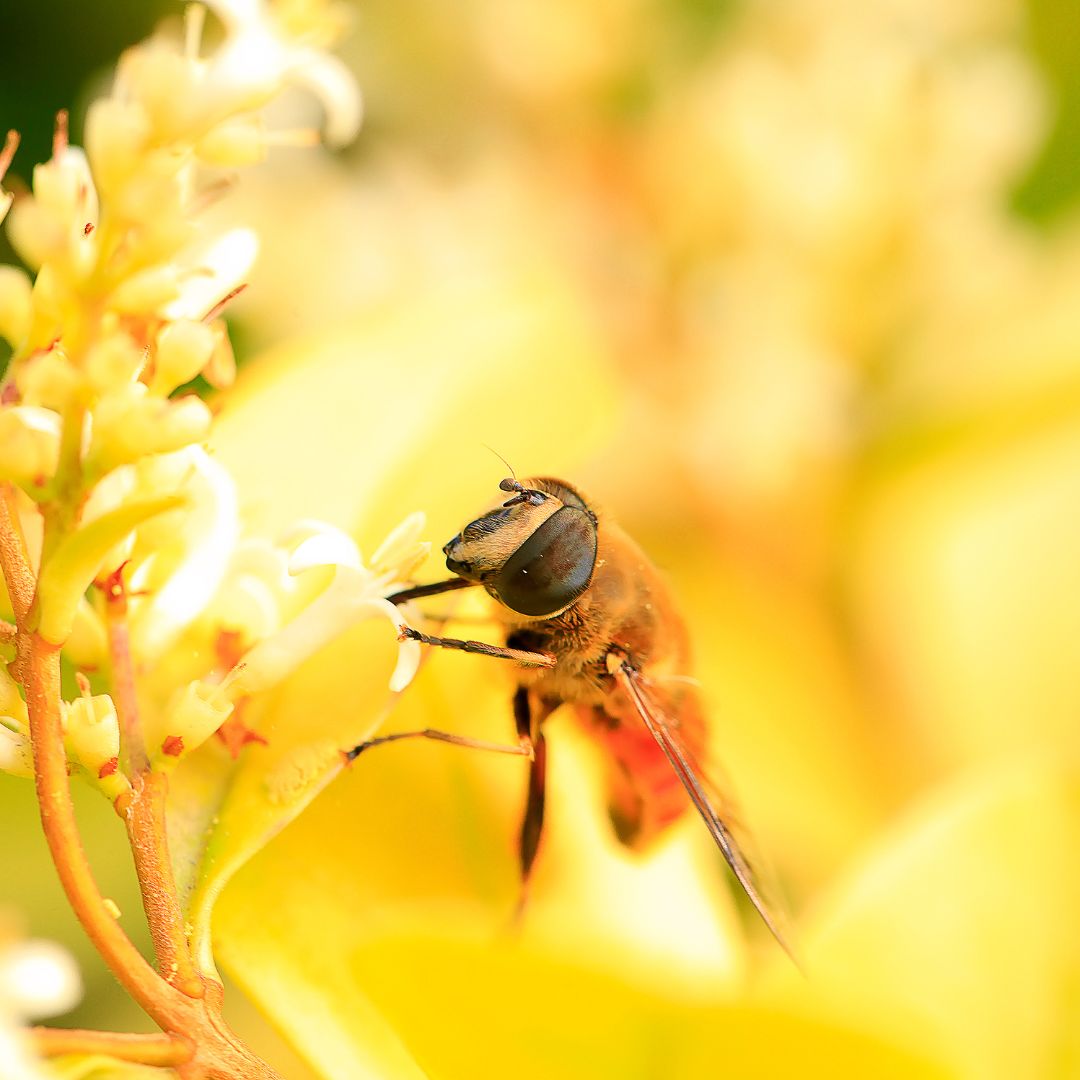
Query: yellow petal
74	564
961	924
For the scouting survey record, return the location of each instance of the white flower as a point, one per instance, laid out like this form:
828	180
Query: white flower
354	594
261	51
38	979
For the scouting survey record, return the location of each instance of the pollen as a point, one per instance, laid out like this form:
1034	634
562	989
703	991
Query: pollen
173	745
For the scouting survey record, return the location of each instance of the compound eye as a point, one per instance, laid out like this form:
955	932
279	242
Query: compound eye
552	568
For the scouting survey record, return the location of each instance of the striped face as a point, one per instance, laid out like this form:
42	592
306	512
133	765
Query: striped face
535	553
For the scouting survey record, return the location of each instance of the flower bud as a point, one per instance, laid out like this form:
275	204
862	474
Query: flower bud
29	444
51	224
48	379
86	647
91	731
12	705
117	133
195	713
129	423
64	187
115	360
146	292
220	372
16	756
183	349
164	82
15	308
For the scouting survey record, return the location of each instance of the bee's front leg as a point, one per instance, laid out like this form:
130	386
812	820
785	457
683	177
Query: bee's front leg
522	656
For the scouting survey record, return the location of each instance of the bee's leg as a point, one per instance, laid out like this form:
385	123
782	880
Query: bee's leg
532	823
522	656
523	749
529	729
436	588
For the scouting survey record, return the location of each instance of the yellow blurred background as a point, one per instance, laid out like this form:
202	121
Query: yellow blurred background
790	289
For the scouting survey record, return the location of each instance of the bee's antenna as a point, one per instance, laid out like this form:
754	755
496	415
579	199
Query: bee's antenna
524	494
501	458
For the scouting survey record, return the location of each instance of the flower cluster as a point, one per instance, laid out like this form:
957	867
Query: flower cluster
117	498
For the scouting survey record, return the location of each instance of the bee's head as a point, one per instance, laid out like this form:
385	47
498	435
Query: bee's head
535	553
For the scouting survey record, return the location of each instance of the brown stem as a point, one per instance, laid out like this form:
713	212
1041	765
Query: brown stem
14	558
133	759
144	815
62	835
218	1054
165	1051
9	633
143	808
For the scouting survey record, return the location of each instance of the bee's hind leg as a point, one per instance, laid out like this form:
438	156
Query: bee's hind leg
528	721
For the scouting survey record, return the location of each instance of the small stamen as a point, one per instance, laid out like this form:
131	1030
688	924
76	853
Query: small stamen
11	144
194	21
60	134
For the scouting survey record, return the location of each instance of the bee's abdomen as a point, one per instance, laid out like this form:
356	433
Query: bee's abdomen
645	795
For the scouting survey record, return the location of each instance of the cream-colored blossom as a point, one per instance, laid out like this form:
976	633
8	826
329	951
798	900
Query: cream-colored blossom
16	755
182	349
179	564
51	227
270	43
130	423
194	714
29	444
355	593
91	731
211	271
15	305
48	379
87	645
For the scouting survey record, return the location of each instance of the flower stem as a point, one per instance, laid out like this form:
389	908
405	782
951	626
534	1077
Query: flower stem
61	832
143	809
133	759
165	1051
217	1054
13	555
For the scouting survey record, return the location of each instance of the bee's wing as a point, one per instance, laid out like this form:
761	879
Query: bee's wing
688	772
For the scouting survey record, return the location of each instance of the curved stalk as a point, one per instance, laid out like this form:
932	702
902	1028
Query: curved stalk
62	834
163	1051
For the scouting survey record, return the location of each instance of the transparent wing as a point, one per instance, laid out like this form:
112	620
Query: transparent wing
691	776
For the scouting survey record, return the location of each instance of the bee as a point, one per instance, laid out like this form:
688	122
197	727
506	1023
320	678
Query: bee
590	624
